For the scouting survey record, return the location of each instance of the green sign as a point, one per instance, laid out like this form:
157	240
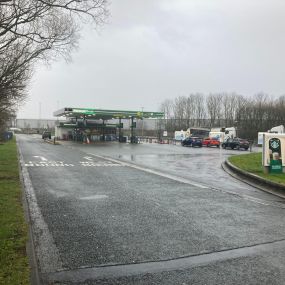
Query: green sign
276	166
275	155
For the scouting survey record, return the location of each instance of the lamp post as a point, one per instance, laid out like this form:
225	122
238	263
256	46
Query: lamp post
142	122
236	127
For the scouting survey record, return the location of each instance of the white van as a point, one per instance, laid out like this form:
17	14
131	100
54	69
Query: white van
179	135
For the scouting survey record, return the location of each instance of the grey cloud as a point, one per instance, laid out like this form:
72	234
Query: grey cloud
153	50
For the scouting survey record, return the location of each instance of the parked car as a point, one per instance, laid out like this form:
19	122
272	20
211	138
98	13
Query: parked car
236	143
46	135
211	142
192	141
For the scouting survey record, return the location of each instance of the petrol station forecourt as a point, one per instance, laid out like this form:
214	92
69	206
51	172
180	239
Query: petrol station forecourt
92	123
148	213
88	124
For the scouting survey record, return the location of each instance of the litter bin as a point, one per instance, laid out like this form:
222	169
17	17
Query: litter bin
134	139
8	136
122	139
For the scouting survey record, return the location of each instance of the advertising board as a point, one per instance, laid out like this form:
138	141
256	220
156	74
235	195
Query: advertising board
273	152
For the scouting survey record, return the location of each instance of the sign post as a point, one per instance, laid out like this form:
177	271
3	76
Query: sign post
273	153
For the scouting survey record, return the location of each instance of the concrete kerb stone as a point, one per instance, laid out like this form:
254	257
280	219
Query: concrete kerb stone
30	246
255	180
42	251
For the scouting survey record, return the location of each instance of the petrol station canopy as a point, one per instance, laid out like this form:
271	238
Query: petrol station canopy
97	114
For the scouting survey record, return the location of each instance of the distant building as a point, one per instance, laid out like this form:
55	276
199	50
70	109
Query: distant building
35	124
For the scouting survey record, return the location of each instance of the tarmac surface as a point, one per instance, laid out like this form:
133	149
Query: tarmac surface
113	213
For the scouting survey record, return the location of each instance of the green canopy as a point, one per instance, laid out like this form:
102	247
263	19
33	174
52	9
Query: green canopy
97	114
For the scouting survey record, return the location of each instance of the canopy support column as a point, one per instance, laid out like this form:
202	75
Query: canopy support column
132	130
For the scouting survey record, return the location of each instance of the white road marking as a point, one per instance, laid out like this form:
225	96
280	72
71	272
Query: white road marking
88	158
169	176
185	181
98	164
62	164
41	157
94	197
46	251
48	164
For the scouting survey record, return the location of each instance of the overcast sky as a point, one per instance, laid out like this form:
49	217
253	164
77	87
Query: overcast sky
152	50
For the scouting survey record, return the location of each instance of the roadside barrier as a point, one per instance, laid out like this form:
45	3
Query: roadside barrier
156	140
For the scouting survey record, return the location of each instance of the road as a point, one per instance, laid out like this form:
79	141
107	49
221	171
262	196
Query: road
148	214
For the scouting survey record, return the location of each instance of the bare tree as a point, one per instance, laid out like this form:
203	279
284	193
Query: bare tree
167	108
200	112
33	30
213	102
249	114
179	110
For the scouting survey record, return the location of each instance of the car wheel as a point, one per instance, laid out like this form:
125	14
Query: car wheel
218	146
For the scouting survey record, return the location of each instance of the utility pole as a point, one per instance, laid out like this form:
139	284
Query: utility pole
142	122
57	108
40	110
40	114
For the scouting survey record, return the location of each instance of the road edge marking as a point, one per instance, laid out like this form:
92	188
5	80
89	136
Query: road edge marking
151	171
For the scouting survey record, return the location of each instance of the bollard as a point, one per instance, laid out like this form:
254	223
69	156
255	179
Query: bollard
250	145
266	169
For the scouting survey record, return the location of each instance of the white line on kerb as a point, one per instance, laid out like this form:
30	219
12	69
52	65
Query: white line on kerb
169	176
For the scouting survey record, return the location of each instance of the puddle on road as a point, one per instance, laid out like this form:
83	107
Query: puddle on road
156	156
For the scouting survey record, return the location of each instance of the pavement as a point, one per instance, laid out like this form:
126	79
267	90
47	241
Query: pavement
114	213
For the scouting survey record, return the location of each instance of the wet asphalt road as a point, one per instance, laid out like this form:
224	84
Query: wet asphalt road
148	214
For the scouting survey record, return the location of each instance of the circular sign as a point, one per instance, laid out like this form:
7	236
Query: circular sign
275	143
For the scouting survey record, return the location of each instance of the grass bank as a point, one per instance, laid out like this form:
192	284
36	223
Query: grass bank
14	267
252	163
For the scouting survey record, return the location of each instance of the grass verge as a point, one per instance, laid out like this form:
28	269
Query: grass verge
252	163
14	267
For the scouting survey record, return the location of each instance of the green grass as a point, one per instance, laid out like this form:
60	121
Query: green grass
252	163
14	267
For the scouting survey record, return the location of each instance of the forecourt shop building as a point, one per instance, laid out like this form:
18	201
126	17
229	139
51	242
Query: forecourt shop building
85	124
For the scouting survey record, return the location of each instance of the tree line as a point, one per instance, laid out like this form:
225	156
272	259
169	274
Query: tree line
249	115
33	31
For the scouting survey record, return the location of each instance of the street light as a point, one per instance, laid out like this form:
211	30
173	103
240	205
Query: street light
142	122
236	127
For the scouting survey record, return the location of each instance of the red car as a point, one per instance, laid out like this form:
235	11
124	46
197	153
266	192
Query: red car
211	142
